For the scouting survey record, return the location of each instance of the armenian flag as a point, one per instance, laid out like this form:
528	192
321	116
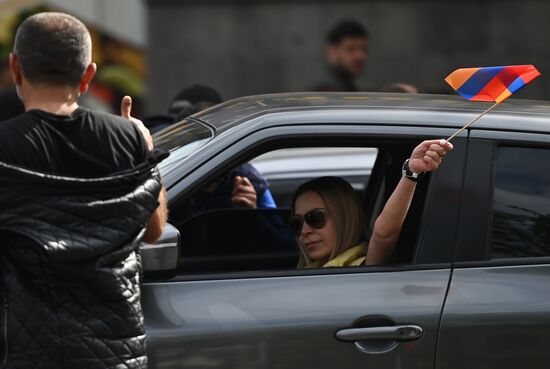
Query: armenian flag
491	83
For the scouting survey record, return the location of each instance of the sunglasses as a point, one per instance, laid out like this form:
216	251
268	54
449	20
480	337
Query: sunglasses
315	218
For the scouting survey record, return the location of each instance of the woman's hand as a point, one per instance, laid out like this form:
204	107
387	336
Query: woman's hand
427	156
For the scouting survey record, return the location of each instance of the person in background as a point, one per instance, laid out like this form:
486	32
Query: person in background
187	102
193	99
242	187
347	53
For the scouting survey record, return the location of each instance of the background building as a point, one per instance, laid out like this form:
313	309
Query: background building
152	49
244	47
119	36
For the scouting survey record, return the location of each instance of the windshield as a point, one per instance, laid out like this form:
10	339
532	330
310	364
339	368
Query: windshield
180	140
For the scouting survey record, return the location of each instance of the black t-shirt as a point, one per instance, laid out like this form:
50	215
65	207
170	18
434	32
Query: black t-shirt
85	144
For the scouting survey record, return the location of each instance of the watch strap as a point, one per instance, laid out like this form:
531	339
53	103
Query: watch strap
406	170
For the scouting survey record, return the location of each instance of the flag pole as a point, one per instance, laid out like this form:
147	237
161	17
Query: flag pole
473	121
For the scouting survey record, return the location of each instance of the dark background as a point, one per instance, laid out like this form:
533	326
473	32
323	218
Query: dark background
253	47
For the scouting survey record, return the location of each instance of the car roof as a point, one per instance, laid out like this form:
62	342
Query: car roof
383	108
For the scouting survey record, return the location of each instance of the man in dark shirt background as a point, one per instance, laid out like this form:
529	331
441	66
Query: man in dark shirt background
347	52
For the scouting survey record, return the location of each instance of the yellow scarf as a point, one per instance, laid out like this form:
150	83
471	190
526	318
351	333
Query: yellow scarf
351	257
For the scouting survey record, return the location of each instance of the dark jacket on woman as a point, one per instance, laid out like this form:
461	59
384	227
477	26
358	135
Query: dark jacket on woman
70	268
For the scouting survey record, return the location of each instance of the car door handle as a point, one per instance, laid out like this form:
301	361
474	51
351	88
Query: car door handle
393	333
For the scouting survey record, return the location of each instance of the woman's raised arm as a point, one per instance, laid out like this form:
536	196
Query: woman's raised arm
426	157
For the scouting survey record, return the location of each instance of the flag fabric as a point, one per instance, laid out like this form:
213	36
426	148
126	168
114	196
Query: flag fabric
491	83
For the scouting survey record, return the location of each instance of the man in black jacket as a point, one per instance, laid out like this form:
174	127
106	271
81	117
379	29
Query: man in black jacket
79	191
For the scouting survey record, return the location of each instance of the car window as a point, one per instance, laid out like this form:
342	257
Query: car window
235	240
220	237
286	169
521	203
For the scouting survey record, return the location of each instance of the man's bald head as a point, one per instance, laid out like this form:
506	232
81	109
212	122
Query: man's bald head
53	49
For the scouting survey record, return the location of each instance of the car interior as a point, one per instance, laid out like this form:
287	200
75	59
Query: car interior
244	240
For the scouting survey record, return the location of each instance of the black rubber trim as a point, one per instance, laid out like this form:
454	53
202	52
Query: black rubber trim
503	262
303	272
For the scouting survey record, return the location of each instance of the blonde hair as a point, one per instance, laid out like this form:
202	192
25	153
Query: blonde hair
343	206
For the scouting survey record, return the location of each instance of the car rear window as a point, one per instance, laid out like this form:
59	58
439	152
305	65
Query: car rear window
521	203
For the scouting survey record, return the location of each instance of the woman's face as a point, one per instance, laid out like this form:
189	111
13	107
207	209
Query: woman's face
318	243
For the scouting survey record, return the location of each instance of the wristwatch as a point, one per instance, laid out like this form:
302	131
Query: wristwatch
415	177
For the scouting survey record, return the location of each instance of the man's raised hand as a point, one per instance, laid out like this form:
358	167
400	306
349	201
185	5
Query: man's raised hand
126	112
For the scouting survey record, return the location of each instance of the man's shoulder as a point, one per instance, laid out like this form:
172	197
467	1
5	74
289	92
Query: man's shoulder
106	119
109	123
16	122
126	131
336	80
329	84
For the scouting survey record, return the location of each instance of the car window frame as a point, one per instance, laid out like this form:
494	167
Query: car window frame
247	146
475	237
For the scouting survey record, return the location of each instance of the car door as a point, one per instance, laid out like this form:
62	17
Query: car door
380	317
497	313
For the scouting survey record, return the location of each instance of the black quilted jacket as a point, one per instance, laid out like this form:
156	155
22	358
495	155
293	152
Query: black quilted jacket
70	269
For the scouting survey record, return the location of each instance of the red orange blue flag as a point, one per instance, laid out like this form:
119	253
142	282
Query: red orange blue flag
491	83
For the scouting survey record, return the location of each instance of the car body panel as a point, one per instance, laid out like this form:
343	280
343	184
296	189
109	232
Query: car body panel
289	322
347	107
497	313
496	317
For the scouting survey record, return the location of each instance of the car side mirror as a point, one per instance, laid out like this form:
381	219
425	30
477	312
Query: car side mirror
161	258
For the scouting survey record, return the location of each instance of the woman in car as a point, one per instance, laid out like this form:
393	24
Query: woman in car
328	221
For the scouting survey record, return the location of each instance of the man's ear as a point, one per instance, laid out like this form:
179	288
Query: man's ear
15	69
87	78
